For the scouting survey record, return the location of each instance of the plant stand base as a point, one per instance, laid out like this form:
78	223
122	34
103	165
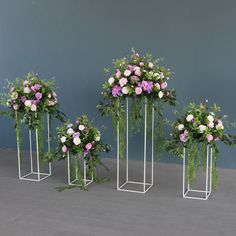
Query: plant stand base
196	194
138	187
34	176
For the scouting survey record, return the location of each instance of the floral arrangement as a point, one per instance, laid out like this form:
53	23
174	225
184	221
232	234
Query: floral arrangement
83	140
196	128
27	100
136	77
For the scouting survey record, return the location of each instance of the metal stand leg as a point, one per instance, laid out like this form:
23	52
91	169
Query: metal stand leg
34	175
208	182
144	184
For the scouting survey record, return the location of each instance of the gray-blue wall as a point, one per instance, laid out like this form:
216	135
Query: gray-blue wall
74	40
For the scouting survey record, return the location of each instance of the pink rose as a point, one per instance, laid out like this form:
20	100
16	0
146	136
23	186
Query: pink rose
183	138
25	83
163	85
88	146
209	138
118	74
138	72
123	82
141	64
138	90
15	107
64	149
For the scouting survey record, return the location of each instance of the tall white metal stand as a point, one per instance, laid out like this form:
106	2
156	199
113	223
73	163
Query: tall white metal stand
196	193
144	184
35	174
76	181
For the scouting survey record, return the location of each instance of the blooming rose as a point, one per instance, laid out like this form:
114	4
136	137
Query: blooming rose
137	72
64	149
150	65
189	117
210	118
28	103
141	64
76	135
210	125
219	126
111	81
138	90
97	138
180	127
88	146
63	139
27	90
15	107
38	96
81	127
25	83
118	74
183	138
127	73
209	138
162	75
163	85
160	94
33	107
123	82
70	131
77	141
125	90
202	128
116	91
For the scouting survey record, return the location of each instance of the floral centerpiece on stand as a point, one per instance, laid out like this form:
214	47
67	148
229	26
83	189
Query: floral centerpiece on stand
136	77
27	100
83	141
198	127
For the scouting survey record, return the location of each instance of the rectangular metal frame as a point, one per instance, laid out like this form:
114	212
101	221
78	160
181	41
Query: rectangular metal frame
85	179
145	184
208	182
35	175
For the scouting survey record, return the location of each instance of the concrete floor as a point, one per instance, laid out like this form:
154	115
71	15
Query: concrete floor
37	209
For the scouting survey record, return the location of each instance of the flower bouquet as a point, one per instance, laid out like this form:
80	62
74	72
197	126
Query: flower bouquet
197	130
81	141
28	99
138	78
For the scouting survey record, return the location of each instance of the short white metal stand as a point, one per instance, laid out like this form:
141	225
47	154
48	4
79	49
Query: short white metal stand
35	174
194	193
144	184
75	181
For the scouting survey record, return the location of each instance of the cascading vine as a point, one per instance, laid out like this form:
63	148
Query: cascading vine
28	100
198	128
137	78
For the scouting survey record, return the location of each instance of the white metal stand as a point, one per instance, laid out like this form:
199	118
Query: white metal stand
145	185
75	181
35	174
194	193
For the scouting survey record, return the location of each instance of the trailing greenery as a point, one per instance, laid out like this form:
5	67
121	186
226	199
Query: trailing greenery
198	127
136	77
81	141
27	100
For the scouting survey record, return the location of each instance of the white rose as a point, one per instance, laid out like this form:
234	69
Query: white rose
81	127
111	81
189	117
180	127
157	85
69	125
160	94
162	75
63	139
28	103
210	118
202	128
211	125
27	90
70	131
127	73
97	138
14	95
125	90
219	126
33	107
77	141
150	65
